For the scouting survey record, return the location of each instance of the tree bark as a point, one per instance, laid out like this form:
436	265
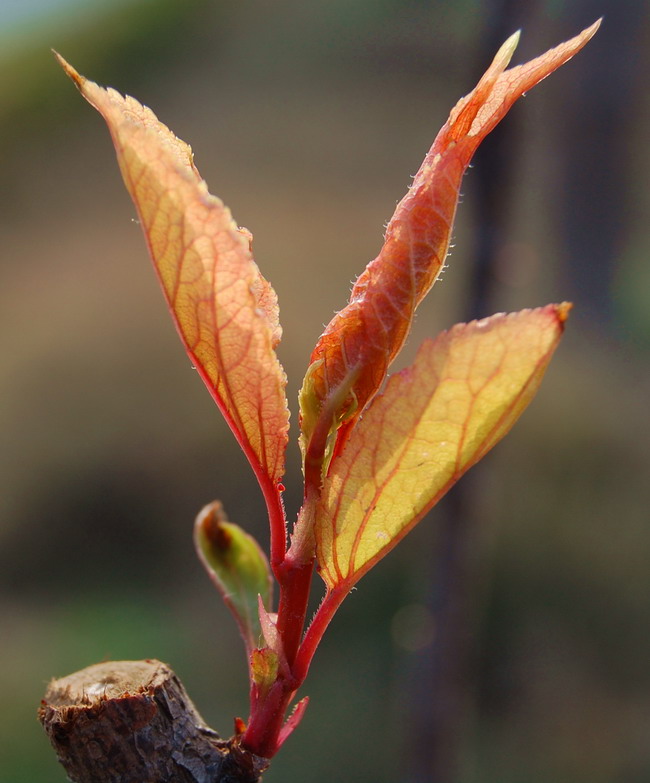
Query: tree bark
133	722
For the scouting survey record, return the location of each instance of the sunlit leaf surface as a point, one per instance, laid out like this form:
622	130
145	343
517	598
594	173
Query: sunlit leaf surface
224	310
354	352
435	420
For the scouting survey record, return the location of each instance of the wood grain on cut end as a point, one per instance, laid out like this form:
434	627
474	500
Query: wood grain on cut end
133	722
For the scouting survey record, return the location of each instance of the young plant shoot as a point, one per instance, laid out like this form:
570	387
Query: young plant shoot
374	462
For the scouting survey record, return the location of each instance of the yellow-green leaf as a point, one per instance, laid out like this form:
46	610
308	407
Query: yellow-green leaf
435	420
264	665
225	311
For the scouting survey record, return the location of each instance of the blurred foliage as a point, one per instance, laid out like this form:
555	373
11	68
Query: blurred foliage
135	37
307	119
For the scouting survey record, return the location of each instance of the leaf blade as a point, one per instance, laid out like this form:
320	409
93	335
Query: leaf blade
362	340
433	422
225	312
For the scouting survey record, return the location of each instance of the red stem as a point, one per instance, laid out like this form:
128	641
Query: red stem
277	522
293	570
267	717
270	491
268	710
295	586
326	611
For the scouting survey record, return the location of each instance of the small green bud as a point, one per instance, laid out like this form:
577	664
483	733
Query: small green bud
237	566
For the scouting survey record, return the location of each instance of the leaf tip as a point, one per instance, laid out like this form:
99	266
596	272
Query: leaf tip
562	311
587	34
293	720
591	31
504	55
212	523
76	77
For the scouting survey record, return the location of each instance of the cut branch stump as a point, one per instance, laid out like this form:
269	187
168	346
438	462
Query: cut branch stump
133	722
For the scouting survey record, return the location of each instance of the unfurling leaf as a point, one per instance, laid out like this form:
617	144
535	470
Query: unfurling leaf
353	354
293	720
237	566
264	670
225	311
435	420
271	635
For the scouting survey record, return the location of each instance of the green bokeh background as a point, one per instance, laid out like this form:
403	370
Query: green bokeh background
308	118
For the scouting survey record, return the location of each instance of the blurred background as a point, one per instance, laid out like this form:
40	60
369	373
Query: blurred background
508	638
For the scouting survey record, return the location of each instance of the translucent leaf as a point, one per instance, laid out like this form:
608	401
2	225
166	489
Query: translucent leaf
435	420
224	310
352	356
264	670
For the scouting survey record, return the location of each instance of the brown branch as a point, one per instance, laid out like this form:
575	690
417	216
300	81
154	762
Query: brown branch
133	722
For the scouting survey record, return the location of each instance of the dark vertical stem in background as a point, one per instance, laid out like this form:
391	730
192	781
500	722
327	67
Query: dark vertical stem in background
444	680
490	182
595	164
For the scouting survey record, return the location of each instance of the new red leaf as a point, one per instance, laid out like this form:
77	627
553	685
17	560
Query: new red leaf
351	359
